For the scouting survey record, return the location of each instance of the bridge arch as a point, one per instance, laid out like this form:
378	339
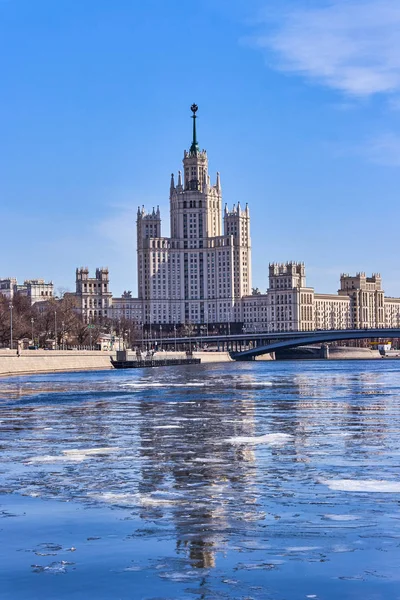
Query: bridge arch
317	337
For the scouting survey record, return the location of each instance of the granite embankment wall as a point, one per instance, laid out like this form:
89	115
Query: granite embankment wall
342	352
51	361
54	361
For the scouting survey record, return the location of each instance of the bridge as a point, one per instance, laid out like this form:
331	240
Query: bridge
316	337
246	346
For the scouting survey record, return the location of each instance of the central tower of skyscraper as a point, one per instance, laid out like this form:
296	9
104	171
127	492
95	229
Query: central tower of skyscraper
200	273
195	197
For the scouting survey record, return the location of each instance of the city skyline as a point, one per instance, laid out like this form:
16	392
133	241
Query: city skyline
311	144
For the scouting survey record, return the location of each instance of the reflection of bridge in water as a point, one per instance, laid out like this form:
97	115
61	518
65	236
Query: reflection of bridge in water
247	346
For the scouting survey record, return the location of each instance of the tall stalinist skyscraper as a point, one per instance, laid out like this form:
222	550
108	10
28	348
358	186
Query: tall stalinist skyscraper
201	272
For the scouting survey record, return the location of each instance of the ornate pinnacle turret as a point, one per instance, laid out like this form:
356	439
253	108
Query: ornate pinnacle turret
172	187
194	148
179	179
218	184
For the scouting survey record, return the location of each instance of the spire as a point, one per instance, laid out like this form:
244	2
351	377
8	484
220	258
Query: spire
194	148
179	178
218	182
172	182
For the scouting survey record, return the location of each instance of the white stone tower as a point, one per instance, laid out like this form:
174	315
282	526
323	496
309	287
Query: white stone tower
199	274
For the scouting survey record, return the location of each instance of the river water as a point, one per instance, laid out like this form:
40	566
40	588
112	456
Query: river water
246	481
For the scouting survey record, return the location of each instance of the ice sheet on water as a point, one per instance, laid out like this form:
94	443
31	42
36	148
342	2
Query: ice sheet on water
342	517
48	458
272	439
253	385
74	454
302	548
134	499
363	485
90	451
167	384
55	568
197	494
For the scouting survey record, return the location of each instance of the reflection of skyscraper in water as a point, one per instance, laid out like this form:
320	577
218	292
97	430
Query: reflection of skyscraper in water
204	483
328	411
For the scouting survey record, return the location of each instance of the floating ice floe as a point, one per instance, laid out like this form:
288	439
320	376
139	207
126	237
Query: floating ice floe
149	385
167	427
134	499
271	439
342	517
89	451
253	385
363	485
302	548
75	455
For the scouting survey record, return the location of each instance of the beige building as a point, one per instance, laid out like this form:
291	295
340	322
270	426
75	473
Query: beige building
201	274
8	287
290	300
367	299
392	312
290	305
92	294
255	313
332	311
127	308
202	271
36	290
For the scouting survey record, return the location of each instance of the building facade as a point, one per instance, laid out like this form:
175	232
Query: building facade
202	271
36	290
127	308
289	305
93	295
367	299
201	274
8	287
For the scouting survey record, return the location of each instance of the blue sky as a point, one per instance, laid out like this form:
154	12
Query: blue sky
299	109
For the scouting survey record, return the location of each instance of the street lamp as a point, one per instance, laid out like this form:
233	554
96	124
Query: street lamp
62	334
11	324
175	335
33	339
160	337
55	330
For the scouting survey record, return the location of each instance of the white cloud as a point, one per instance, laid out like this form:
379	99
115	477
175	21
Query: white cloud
352	46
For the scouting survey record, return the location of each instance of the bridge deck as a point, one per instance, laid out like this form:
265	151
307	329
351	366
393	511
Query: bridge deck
317	337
